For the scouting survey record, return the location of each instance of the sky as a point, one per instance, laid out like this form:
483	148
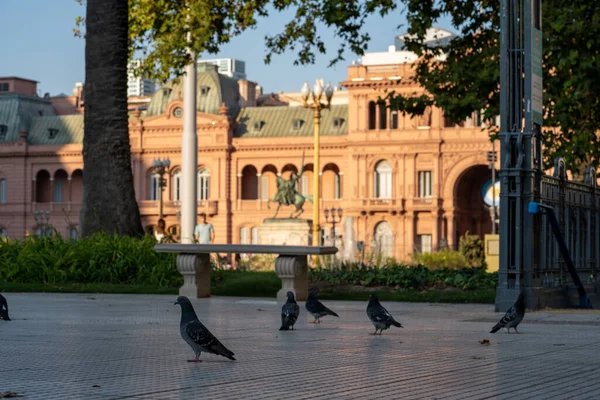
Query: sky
37	42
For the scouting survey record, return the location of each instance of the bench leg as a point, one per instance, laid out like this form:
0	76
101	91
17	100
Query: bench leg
293	272
195	269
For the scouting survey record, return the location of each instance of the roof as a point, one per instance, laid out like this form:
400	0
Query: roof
213	89
68	129
17	78
280	121
17	112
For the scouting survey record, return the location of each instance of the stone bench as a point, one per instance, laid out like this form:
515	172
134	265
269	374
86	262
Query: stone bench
291	265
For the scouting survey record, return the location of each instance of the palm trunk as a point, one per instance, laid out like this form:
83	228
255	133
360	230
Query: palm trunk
109	203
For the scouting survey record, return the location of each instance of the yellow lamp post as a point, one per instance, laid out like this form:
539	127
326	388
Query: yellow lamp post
317	106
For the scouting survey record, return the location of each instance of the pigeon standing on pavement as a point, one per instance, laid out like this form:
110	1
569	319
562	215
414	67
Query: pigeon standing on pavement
513	316
197	335
4	309
379	316
289	313
316	308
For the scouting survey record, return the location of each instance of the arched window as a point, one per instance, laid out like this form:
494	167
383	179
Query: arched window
59	191
383	180
394	120
254	232
2	190
383	239
244	235
331	187
42	187
73	234
382	116
77	186
176	185
372	111
203	184
154	187
249	187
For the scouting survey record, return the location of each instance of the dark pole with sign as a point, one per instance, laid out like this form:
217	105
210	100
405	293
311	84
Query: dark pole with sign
520	146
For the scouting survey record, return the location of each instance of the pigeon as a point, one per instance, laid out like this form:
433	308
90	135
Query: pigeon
513	316
316	308
379	316
4	309
197	335
289	313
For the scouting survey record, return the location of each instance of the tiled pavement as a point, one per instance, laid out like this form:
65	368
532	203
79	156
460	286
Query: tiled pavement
59	346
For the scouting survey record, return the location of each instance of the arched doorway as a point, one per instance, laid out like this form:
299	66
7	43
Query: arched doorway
383	239
471	214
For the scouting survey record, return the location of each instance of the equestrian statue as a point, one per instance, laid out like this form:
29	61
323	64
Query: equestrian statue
288	195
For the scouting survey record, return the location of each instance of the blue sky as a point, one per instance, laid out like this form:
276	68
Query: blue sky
37	42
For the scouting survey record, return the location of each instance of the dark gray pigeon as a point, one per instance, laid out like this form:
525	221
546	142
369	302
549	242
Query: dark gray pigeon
289	313
379	316
316	308
4	309
197	335
513	316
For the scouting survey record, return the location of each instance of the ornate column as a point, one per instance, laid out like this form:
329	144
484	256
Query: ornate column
239	191
451	228
195	269
293	272
69	179
258	191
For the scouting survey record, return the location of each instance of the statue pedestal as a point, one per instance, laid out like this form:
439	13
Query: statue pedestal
285	232
292	270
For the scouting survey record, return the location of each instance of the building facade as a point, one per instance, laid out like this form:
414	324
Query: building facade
230	67
408	184
139	86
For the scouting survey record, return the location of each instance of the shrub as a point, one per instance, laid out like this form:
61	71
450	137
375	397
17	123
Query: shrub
405	277
446	258
100	258
472	247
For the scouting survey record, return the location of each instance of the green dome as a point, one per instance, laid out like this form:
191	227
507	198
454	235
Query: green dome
212	88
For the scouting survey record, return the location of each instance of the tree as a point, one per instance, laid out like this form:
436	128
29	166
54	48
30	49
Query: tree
467	78
109	202
159	29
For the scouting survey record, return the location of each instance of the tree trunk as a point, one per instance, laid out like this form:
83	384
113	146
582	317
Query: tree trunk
109	203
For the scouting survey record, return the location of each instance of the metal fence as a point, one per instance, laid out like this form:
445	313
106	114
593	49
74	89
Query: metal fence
577	206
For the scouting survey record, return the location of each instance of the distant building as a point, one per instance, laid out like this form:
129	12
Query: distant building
230	67
13	84
138	86
434	36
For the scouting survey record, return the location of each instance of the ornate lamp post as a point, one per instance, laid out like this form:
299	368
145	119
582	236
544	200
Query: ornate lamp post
317	106
42	218
333	220
160	167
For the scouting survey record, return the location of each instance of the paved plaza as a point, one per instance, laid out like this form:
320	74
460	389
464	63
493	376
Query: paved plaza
80	346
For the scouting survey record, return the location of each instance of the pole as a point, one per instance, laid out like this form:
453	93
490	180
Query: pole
189	154
493	188
316	170
162	189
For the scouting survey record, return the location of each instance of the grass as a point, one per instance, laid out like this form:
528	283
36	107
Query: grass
261	284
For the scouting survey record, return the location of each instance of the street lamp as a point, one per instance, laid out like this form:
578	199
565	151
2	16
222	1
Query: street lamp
317	106
42	218
160	167
333	220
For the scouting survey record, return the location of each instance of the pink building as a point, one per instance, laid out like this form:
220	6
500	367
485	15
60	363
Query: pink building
409	184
